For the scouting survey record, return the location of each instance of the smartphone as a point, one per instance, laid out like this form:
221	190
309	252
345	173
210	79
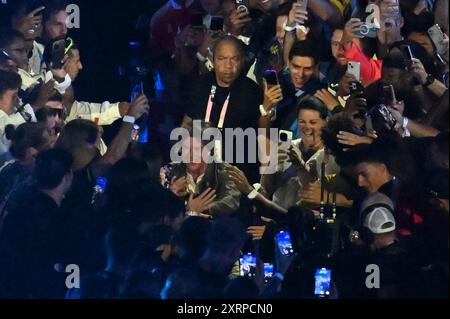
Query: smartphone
437	35
303	4
284	143
101	184
137	91
216	24
369	124
408	52
389	95
285	137
197	21
271	78
354	68
58	53
243	5
268	272
322	283
284	242
389	119
248	265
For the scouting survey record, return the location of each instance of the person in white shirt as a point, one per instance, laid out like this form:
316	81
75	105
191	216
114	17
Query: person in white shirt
9	102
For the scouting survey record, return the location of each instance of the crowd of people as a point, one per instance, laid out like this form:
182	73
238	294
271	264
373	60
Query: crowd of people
358	91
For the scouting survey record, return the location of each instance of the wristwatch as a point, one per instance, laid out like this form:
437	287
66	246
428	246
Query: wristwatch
254	192
129	119
290	28
430	80
272	113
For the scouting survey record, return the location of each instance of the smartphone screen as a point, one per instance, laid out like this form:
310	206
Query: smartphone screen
283	239
216	24
137	91
389	119
101	184
271	77
248	266
323	283
268	272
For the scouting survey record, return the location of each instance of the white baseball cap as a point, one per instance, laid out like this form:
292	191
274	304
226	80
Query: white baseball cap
380	220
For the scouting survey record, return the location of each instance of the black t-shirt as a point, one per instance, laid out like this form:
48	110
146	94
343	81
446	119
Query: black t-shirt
243	109
34	236
243	112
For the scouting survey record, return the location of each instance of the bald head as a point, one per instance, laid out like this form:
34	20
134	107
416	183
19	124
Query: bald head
228	60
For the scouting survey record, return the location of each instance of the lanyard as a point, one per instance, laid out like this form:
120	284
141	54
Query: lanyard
223	113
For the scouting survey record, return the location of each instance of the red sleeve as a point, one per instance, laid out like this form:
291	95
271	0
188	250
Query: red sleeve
370	68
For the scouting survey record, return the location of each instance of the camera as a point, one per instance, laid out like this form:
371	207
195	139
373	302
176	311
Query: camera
367	31
243	5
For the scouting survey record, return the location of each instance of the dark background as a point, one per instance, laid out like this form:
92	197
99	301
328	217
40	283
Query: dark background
106	28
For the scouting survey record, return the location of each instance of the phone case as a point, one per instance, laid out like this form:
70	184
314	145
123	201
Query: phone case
271	77
303	4
437	36
354	68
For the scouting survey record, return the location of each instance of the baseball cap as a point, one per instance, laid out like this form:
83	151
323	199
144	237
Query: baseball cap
376	213
380	220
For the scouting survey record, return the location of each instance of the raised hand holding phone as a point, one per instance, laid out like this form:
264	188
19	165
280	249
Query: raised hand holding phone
272	96
139	107
239	18
30	23
298	15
